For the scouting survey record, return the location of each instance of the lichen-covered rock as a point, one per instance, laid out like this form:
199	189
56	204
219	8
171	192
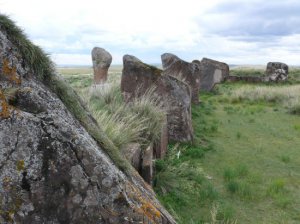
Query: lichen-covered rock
138	78
101	62
212	72
276	71
51	168
187	72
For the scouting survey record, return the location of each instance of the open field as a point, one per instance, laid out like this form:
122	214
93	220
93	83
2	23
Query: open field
244	165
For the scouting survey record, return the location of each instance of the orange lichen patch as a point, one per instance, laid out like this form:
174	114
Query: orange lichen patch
10	73
5	107
150	210
147	208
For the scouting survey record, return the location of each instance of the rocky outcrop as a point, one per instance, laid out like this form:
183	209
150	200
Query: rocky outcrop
56	165
212	72
276	71
187	72
101	62
138	78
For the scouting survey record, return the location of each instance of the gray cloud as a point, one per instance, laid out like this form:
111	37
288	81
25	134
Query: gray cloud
255	18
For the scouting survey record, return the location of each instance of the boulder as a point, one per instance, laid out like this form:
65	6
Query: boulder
56	164
101	62
187	72
212	72
276	71
138	78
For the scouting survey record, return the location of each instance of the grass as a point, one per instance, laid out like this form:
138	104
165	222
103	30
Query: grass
289	96
33	56
139	121
243	166
251	167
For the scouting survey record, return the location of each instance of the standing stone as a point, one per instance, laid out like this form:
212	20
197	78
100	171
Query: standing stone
212	72
160	148
101	62
187	72
276	71
147	164
132	153
138	78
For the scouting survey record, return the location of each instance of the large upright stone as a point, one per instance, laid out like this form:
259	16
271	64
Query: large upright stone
138	78
212	72
101	62
187	72
276	71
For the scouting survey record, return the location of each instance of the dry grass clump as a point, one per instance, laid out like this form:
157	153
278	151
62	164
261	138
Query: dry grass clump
288	96
139	121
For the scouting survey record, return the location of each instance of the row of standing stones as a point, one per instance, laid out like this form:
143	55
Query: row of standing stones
177	86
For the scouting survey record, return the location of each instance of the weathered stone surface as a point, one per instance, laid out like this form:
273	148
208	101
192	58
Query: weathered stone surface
51	169
160	148
138	78
101	62
147	164
212	72
276	71
132	152
187	72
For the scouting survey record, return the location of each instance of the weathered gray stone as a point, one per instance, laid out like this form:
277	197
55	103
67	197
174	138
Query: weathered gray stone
132	152
276	71
101	62
212	72
187	72
147	164
51	169
138	78
160	148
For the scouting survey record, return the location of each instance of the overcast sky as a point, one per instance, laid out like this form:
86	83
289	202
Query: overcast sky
236	32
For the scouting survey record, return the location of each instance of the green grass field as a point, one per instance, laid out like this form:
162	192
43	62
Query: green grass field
244	165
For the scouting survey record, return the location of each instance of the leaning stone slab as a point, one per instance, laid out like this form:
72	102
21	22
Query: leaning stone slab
138	78
212	72
187	72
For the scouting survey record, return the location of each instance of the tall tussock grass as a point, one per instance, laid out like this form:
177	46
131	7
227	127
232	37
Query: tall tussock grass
289	96
138	121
